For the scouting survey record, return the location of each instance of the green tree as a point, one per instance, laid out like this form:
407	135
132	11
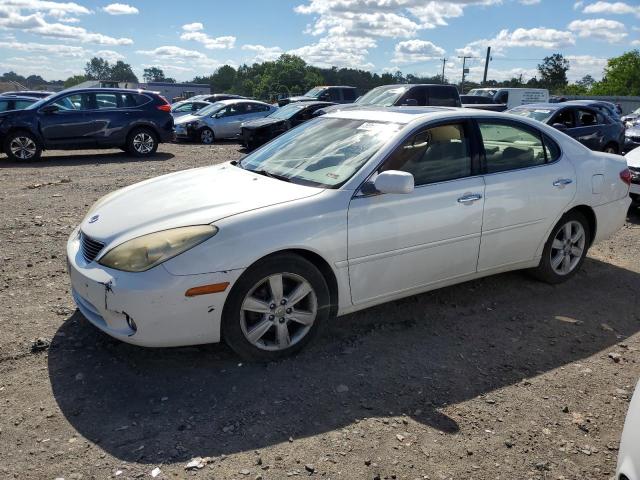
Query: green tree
75	80
621	76
153	74
553	71
97	69
122	72
586	82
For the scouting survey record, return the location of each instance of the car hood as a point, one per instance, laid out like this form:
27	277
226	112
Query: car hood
190	197
187	118
262	122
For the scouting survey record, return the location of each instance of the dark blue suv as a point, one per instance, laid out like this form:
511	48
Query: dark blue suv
133	120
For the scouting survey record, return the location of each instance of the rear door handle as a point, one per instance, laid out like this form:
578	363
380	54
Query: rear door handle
469	198
561	182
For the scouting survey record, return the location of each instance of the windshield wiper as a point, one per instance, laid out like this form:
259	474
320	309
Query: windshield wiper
272	175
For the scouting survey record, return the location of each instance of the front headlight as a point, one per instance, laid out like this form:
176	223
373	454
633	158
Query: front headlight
145	252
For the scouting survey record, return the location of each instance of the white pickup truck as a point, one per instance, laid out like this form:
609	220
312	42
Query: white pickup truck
511	97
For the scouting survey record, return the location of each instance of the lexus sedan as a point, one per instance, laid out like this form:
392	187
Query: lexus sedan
133	120
349	210
220	120
588	125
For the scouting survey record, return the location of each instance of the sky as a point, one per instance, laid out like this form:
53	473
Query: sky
188	38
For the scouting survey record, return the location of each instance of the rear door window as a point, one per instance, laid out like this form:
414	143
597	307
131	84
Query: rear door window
419	94
4	105
106	100
586	118
20	104
509	146
565	117
349	95
443	97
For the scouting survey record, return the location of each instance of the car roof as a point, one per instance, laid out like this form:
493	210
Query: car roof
231	101
18	97
102	90
401	115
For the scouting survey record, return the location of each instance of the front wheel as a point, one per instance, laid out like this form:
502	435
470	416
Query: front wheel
565	249
142	143
206	136
275	308
22	146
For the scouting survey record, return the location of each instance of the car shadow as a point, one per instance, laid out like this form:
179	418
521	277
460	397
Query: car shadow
633	215
413	357
82	158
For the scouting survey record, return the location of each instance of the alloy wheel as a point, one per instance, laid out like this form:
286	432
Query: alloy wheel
206	136
278	311
23	148
567	247
143	143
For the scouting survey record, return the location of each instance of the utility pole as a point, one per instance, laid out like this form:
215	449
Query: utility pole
464	70
444	62
486	66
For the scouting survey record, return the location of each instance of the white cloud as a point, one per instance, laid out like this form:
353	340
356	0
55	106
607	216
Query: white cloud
192	31
181	57
109	55
416	51
263	53
54	9
615	8
530	2
120	9
581	65
337	51
600	28
547	38
48	48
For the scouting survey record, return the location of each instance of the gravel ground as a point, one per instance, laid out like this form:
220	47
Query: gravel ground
500	378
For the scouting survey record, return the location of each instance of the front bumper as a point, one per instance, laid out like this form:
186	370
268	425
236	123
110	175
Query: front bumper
185	133
155	300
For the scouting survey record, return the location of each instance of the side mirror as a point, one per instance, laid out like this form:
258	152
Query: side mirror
394	181
218	115
50	109
410	102
559	126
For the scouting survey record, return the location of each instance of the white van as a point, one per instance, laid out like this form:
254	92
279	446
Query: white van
513	97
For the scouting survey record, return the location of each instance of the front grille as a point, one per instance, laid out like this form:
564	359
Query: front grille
89	248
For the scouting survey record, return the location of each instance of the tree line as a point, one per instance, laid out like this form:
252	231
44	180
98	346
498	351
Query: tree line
290	75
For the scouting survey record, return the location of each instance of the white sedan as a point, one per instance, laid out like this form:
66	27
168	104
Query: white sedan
633	159
349	210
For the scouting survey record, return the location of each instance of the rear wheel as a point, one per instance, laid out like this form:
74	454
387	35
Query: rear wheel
611	148
565	249
206	136
275	308
142	142
22	146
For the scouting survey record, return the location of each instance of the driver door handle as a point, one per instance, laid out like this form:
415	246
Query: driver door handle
561	182
469	198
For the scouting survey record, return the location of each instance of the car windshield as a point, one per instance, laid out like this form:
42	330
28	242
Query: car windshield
314	92
324	152
483	93
287	111
210	110
382	96
540	114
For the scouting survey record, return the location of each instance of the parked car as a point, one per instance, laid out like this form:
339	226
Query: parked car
403	94
607	108
187	107
325	220
333	94
217	97
220	120
589	126
257	132
28	93
11	102
134	120
631	138
629	450
481	102
513	97
632	119
633	160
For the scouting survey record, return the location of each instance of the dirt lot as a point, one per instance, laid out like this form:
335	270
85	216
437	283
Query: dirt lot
501	378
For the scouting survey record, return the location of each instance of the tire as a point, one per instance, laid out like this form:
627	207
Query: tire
611	148
206	136
142	142
22	146
557	249
259	334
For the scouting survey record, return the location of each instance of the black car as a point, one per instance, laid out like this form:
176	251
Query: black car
133	120
257	132
588	125
333	94
404	94
28	93
10	102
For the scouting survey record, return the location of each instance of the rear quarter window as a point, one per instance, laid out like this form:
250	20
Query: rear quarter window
444	97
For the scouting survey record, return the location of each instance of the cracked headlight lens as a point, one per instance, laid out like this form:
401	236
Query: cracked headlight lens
147	251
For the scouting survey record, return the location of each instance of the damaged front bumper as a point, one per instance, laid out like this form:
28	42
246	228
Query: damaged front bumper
147	308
